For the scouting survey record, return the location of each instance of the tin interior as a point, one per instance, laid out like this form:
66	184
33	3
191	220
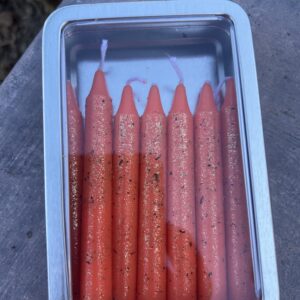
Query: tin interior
142	49
205	51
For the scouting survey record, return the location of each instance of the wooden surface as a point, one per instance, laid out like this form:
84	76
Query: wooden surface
275	26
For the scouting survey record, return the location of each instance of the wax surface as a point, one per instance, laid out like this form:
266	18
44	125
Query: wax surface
125	197
239	262
75	145
181	201
96	255
164	212
152	212
211	253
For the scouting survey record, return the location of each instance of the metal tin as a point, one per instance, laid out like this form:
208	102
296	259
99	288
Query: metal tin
211	39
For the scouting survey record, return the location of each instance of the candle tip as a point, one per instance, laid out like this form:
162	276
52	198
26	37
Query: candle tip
154	102
127	105
69	87
230	94
180	103
71	96
206	100
99	86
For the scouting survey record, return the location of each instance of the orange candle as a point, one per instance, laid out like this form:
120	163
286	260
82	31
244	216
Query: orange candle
239	262
75	142
152	211
125	197
181	232
96	250
209	199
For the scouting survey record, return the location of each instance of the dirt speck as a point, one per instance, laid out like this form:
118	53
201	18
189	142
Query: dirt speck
29	234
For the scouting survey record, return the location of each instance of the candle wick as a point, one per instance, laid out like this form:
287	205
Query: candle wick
103	51
174	64
136	79
138	98
218	95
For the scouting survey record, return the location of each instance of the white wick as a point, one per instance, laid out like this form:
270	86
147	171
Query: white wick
218	92
174	63
103	50
136	79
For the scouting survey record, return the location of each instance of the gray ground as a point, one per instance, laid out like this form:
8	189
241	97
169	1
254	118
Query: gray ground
275	26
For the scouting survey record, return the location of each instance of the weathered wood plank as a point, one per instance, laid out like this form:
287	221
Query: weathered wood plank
22	231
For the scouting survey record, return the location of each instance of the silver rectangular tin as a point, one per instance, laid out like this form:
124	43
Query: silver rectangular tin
219	33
